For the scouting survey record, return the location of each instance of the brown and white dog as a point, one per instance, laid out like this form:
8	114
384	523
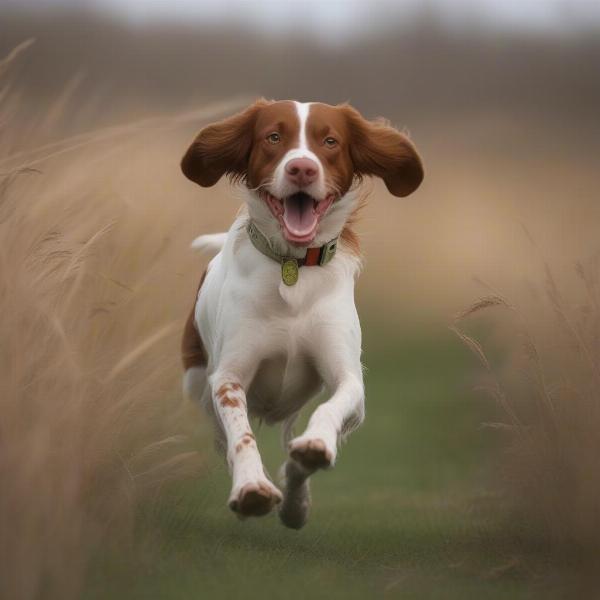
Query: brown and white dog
274	322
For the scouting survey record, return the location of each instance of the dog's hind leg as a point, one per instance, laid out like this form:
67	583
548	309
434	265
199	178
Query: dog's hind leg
293	511
194	384
195	361
195	378
295	507
197	390
194	357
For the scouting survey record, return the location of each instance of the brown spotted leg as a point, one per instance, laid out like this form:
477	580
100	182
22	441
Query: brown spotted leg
252	493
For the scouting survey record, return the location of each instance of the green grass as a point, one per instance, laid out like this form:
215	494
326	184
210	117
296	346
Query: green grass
403	514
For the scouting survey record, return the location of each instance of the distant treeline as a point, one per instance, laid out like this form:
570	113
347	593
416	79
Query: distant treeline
418	69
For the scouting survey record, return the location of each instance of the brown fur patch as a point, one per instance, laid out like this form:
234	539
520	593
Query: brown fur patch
193	353
349	236
228	387
378	149
239	146
351	240
246	440
229	401
224	389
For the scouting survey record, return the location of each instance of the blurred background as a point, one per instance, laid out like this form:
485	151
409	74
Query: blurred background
100	99
500	97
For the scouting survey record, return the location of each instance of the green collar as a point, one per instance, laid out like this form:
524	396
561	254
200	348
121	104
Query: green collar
318	256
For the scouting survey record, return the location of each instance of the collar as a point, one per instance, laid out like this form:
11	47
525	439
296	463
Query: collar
317	256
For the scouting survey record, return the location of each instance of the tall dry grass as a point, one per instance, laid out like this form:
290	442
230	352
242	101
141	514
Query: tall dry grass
548	390
94	285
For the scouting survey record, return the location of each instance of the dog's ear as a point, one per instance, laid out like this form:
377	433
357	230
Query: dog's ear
222	148
378	149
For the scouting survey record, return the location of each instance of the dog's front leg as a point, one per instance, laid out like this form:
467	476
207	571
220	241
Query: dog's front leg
316	448
252	493
337	349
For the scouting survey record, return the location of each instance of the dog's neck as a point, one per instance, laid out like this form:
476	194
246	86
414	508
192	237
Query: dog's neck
330	227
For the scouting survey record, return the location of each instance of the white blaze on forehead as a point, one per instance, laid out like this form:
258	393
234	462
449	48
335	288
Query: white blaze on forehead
281	187
302	150
303	108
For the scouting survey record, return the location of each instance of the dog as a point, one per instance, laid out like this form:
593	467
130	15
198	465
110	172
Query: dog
274	321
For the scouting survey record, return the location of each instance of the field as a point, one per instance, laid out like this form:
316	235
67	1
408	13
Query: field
405	513
110	487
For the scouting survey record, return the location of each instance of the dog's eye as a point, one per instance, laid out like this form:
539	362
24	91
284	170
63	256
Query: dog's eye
330	142
273	138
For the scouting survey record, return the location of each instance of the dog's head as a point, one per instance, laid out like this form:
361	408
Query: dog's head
300	160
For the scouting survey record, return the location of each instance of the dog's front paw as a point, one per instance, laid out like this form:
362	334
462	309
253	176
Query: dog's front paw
312	453
254	498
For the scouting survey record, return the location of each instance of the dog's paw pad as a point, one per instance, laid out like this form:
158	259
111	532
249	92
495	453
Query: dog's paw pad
255	499
312	454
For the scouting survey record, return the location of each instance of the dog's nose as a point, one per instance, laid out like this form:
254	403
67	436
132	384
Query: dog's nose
301	171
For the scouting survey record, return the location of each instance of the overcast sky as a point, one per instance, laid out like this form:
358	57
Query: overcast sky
339	18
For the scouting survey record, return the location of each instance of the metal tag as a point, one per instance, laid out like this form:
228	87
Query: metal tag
328	252
289	271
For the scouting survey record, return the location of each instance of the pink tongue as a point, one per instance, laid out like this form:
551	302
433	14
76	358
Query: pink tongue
299	216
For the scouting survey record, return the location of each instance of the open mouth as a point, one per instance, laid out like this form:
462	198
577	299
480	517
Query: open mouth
298	215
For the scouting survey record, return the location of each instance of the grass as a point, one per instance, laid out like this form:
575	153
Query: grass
91	311
402	514
550	410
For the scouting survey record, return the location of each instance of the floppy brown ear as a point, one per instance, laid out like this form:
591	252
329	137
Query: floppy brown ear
378	149
222	148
